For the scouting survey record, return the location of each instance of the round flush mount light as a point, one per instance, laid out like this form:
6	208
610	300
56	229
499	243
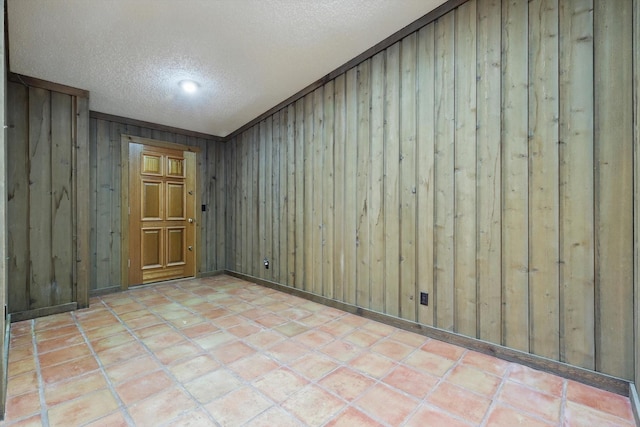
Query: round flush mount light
189	86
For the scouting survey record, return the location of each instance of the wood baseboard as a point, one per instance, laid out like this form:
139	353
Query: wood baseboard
585	376
40	312
635	402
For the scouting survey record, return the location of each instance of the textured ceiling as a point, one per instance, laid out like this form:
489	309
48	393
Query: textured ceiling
247	55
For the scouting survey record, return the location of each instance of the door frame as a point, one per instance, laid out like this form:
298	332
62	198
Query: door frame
125	140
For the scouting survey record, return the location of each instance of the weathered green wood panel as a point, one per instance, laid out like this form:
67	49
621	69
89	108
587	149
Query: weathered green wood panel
577	340
514	176
613	30
363	143
407	161
41	281
18	197
62	216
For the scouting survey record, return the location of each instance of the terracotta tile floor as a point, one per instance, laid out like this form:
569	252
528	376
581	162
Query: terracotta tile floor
222	351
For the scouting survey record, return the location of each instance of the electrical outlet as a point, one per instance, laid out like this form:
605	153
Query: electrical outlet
424	298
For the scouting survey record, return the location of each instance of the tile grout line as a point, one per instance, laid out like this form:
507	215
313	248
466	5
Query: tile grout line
44	409
163	368
110	385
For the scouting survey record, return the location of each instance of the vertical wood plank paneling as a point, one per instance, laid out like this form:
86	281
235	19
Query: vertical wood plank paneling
577	345
465	231
299	193
264	232
266	188
376	191
292	150
18	197
41	277
488	197
308	169
256	227
93	200
114	192
408	302
444	172
244	161
636	196
425	170
460	162
222	170
62	226
318	171
391	181
350	176
82	205
103	205
275	197
514	157
327	197
363	142
543	178
614	186
339	193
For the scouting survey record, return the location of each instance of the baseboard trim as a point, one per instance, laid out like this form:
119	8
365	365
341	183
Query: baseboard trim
40	312
212	273
104	291
585	376
635	402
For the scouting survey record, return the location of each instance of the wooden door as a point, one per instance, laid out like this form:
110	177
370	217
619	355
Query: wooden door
161	214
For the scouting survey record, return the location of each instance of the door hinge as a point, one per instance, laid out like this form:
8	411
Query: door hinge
129	263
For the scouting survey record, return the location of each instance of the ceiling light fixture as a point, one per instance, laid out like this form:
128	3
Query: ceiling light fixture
189	86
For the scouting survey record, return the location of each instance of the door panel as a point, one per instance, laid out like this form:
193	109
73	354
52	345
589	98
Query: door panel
162	208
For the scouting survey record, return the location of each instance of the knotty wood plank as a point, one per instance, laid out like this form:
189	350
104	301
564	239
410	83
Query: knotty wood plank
425	172
299	247
376	183
408	188
392	184
515	244
350	174
62	226
339	180
104	170
489	197
115	189
40	255
93	203
636	198
363	269
255	232
82	206
577	339
465	230
18	197
275	196
613	30
444	172
543	178
292	150
266	197
327	197
221	236
318	175
308	213
283	171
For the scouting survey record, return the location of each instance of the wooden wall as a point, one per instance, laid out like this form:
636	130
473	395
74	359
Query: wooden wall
4	347
105	177
486	159
46	210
